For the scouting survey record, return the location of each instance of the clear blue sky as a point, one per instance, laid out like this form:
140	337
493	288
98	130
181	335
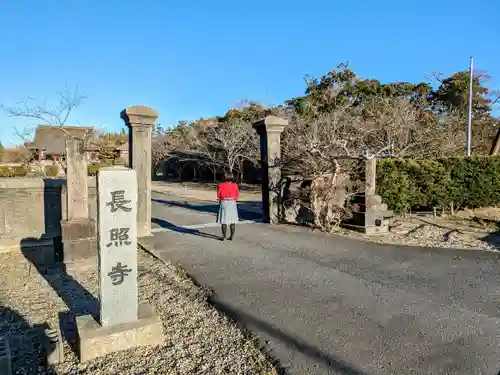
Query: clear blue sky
192	59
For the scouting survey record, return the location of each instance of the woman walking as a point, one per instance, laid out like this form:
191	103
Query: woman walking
227	195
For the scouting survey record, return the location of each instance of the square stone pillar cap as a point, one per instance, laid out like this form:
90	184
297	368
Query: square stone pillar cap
270	124
139	115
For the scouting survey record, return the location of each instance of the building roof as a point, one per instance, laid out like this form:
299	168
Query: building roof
52	138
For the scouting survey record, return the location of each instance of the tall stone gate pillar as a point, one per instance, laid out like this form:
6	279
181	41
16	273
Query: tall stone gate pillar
140	120
376	214
370	176
269	130
78	230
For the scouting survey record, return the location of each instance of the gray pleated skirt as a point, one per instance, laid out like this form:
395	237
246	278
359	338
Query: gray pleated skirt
228	212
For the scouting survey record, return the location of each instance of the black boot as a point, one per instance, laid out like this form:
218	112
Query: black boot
224	231
232	227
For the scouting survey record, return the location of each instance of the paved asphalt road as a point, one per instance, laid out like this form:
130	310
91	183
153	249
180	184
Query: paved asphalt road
327	304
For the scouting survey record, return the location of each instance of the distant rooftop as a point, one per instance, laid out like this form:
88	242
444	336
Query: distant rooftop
52	138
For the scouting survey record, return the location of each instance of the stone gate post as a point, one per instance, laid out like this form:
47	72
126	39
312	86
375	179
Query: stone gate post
269	130
76	176
78	230
140	121
376	213
370	176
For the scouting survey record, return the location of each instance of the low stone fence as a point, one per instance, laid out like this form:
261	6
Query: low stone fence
32	208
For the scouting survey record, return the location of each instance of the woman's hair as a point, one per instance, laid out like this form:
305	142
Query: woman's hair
228	177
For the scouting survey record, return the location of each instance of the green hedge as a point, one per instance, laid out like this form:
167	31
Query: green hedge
418	184
17	171
51	170
94	167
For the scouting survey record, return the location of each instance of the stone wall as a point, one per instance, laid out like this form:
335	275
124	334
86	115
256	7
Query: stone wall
32	208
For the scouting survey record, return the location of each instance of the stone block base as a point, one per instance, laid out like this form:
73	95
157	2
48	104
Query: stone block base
383	229
79	240
96	341
77	229
52	344
79	250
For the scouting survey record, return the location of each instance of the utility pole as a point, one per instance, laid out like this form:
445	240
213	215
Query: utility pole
469	122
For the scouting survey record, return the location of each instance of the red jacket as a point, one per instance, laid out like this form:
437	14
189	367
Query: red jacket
227	190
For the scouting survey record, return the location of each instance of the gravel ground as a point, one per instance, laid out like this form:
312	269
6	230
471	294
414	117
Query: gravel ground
415	232
199	340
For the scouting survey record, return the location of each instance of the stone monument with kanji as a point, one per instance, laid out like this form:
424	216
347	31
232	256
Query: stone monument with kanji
123	323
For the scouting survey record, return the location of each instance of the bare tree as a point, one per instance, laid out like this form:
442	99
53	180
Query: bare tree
396	126
31	108
183	145
58	115
203	151
326	147
312	149
159	150
235	142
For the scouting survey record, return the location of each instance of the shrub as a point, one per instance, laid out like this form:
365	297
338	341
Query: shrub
421	184
93	168
51	170
119	161
16	171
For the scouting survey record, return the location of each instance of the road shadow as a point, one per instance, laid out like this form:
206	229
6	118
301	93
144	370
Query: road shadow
174	228
317	355
493	239
245	209
25	342
53	212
